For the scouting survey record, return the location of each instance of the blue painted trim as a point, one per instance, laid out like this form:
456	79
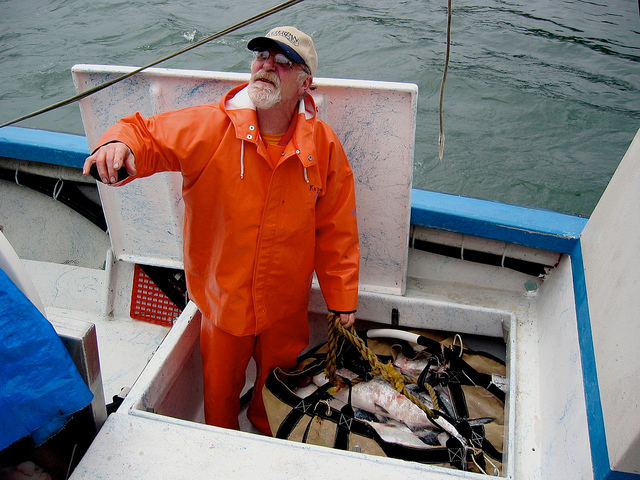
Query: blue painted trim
595	417
532	227
43	146
613	475
525	226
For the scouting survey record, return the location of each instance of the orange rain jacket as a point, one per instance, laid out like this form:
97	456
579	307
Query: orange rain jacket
253	234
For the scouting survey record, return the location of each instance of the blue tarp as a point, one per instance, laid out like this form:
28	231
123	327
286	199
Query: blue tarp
40	387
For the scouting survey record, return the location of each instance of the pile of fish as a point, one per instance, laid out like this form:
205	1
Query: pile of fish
395	417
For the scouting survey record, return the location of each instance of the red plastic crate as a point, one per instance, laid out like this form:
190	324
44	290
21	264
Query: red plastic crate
149	303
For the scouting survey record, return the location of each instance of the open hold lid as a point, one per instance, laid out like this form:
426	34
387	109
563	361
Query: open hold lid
611	254
375	122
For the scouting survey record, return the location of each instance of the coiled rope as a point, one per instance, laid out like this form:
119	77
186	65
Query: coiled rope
208	39
384	370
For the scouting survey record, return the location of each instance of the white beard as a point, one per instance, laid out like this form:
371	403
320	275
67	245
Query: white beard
265	96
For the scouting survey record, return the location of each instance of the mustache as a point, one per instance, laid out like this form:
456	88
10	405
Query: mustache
268	76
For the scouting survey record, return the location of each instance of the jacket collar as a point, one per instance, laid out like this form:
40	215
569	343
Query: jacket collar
242	113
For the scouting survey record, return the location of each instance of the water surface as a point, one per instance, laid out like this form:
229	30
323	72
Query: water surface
541	100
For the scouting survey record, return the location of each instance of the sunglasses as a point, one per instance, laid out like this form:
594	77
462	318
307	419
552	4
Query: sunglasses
279	58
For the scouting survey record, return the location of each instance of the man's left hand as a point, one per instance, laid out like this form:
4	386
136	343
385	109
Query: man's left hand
347	319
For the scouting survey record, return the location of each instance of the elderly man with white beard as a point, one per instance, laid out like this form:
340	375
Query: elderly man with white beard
269	199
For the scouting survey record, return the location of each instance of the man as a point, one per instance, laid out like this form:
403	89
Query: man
269	197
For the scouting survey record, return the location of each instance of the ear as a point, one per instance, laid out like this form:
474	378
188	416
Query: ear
305	85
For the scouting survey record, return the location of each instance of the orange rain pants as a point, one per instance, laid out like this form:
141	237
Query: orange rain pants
225	358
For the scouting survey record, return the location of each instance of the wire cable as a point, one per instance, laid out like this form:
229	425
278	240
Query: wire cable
444	79
102	86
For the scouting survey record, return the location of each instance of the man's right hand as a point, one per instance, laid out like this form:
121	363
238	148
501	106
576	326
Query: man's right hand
108	159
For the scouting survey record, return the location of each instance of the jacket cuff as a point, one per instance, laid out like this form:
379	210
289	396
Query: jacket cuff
338	312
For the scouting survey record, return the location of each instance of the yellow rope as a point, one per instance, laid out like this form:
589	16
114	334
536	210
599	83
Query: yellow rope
386	371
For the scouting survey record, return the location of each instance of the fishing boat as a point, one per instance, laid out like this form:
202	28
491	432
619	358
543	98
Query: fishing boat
555	295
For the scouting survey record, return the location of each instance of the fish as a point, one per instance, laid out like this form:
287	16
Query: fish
413	367
378	397
396	418
480	421
432	436
370	417
304	392
321	379
399	433
444	400
450	429
333	401
420	394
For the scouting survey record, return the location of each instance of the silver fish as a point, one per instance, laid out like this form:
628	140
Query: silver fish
399	433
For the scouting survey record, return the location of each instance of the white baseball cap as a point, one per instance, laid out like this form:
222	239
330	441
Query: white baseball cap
296	45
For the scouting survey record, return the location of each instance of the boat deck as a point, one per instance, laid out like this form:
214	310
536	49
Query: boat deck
477	300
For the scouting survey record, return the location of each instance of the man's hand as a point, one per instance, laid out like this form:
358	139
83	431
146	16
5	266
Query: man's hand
109	159
347	319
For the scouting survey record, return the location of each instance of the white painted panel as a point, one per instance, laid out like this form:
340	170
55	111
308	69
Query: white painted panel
374	120
11	265
610	247
156	423
561	416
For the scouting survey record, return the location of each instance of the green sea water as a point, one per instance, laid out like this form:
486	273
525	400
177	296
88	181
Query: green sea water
541	100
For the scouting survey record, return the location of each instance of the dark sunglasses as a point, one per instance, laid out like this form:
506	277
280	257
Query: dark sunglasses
279	58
